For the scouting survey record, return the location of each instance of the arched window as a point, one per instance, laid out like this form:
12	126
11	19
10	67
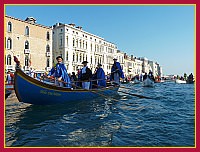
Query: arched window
80	58
8	60
73	42
73	57
26	60
67	55
26	45
9	27
77	57
27	31
83	57
48	36
80	44
47	48
67	40
77	43
48	62
9	43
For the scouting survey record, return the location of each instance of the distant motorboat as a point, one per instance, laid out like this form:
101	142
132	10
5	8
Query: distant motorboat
148	82
180	81
159	81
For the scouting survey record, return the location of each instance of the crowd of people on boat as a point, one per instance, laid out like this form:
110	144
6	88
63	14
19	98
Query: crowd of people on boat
189	78
142	77
84	78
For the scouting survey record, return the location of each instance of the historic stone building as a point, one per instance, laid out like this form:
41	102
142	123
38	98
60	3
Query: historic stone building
30	42
76	45
37	46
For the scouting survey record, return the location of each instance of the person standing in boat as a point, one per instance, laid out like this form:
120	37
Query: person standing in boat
100	76
150	75
145	76
8	78
190	77
85	76
116	71
61	76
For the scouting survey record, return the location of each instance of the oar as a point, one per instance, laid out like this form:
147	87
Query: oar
94	92
137	95
126	88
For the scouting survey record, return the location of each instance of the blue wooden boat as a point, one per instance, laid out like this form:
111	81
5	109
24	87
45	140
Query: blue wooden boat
32	91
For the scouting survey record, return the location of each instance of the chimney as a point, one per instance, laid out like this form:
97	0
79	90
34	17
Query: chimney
79	27
72	24
30	20
131	57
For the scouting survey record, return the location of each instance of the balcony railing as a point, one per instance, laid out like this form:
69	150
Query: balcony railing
26	51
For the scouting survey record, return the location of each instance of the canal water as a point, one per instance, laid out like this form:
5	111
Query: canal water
166	120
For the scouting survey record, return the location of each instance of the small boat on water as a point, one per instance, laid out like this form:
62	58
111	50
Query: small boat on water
7	93
180	81
190	81
135	81
32	91
159	81
9	86
148	82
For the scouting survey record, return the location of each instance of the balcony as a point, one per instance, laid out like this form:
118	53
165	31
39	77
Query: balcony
48	54
27	51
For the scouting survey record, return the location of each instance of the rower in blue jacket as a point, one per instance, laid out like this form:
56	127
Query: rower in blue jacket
62	78
100	75
116	71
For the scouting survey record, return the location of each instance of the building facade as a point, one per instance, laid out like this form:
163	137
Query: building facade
37	46
30	42
76	45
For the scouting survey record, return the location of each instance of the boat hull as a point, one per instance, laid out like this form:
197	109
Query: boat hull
148	82
180	81
32	91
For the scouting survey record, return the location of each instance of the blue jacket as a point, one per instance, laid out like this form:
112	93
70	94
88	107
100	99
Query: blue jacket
101	75
116	68
61	71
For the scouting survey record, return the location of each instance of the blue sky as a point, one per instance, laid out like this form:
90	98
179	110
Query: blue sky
162	33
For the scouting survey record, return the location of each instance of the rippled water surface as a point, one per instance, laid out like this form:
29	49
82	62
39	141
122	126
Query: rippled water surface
166	120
